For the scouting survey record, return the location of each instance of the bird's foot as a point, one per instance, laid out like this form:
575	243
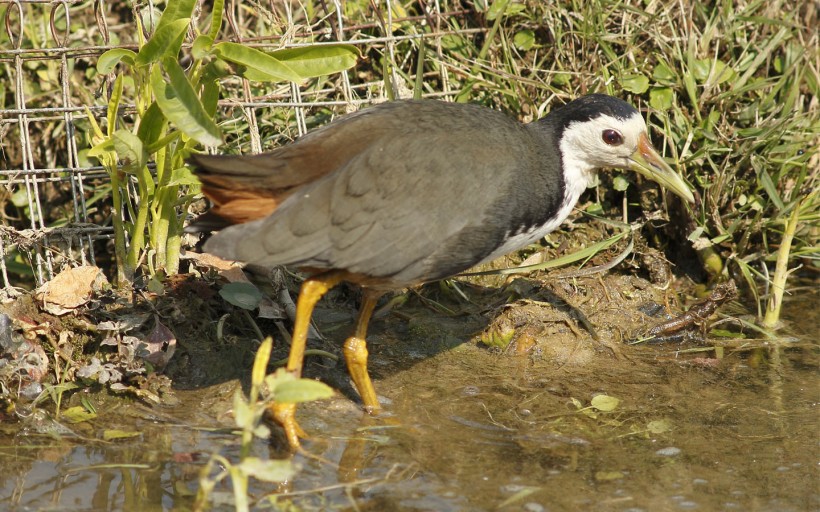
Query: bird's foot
355	352
285	415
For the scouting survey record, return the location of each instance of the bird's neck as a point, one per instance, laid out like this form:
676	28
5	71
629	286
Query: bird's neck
579	173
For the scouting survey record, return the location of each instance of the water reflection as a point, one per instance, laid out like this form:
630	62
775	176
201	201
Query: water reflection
470	430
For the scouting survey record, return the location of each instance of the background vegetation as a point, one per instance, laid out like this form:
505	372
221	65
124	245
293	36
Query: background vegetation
730	90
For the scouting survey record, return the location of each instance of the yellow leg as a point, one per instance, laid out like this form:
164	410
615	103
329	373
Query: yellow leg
309	294
355	351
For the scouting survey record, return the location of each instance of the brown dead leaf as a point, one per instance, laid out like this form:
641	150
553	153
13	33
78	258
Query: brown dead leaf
160	344
71	289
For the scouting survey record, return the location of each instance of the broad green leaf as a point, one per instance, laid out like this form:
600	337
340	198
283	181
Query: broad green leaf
181	105
257	65
152	125
176	10
497	8
301	390
130	150
202	47
77	414
313	61
109	60
713	71
277	470
183	176
604	403
111	435
524	40
662	73
661	98
243	295
166	41
106	146
216	19
635	83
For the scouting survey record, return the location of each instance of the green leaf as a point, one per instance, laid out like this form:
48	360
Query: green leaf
260	362
620	183
635	83
210	96
313	61
166	41
152	125
497	8
604	403
181	105
109	60
130	150
561	79
176	10
256	65
663	73
113	434
243	414
659	426
661	98
243	295
268	470
713	71
766	180
301	390
184	176
524	40
106	146
202	47
114	106
77	414
216	19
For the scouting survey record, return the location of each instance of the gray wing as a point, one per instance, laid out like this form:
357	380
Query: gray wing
425	200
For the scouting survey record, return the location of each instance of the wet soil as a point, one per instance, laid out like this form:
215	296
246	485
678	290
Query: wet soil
519	397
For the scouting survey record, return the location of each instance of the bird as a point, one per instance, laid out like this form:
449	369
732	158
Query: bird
411	191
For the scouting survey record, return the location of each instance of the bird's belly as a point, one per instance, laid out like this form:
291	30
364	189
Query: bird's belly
523	239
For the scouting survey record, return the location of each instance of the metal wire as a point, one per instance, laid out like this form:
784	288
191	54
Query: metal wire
43	133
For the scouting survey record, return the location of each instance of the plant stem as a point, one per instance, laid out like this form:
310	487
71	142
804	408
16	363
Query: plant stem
781	270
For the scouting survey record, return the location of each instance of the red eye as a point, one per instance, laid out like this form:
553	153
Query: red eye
612	137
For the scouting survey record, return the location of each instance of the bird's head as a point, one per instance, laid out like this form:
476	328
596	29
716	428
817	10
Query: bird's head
599	131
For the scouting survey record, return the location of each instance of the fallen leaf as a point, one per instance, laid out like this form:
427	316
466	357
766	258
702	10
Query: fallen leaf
71	289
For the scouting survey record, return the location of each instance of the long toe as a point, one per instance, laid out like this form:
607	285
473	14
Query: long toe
285	415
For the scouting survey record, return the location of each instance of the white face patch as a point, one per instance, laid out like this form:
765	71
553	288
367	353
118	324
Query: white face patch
583	148
583	151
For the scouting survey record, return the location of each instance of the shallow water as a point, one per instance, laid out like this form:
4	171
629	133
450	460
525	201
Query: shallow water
467	429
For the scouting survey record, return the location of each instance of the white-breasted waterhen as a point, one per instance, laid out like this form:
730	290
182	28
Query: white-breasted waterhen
408	192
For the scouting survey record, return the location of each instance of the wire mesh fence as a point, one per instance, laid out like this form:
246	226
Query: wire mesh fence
57	208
